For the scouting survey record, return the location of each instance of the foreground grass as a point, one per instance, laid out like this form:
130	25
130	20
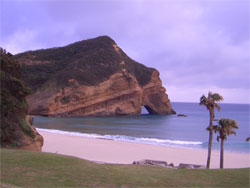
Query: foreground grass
35	169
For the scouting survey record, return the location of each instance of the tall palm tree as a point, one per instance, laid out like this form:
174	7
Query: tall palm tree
225	128
210	103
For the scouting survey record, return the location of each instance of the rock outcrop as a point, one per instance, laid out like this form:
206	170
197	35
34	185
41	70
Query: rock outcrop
16	130
165	164
95	78
191	166
35	142
151	162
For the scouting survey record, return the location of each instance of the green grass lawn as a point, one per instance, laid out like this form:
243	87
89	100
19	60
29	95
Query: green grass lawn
21	168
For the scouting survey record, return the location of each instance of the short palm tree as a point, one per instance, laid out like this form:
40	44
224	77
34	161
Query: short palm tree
210	103
225	128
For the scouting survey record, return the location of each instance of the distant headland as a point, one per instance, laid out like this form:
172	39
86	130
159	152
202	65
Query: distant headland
91	78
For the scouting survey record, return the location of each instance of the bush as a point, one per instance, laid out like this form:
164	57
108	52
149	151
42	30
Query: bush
26	128
13	102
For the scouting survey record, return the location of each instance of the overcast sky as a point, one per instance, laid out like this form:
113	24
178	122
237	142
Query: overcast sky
197	45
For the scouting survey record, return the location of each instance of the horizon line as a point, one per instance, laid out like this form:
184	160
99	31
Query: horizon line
198	102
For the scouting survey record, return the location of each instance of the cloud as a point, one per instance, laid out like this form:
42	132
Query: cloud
190	52
193	94
19	41
201	45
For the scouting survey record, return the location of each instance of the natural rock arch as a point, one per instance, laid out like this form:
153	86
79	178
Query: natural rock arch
98	79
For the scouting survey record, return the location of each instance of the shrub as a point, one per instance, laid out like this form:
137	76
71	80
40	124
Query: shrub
26	128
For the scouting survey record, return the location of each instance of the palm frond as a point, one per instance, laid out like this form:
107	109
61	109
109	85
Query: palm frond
216	128
218	138
235	125
216	97
209	128
217	106
203	100
233	132
226	127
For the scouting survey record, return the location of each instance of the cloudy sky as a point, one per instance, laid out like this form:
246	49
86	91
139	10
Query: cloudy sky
197	45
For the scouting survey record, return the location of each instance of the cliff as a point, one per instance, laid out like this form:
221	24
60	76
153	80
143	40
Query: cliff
16	129
91	78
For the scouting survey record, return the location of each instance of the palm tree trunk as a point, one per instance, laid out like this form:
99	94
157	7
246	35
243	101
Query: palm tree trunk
222	153
210	137
209	148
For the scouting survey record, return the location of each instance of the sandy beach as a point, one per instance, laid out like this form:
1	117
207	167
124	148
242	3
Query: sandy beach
110	151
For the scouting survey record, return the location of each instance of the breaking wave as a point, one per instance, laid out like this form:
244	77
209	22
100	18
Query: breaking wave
154	141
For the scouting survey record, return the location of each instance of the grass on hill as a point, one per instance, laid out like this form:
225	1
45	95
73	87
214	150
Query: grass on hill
21	168
90	62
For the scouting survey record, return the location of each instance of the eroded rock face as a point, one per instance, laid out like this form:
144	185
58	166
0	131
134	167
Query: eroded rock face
154	97
119	95
91	78
34	143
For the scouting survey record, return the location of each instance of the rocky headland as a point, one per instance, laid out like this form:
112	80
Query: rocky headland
91	78
16	126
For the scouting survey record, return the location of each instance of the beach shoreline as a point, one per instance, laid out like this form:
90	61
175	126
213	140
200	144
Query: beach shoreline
122	152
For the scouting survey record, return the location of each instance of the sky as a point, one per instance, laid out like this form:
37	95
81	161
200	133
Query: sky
197	45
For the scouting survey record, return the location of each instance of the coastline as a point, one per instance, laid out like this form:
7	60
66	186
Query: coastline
121	152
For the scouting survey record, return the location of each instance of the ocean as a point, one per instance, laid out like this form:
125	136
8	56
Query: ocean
166	130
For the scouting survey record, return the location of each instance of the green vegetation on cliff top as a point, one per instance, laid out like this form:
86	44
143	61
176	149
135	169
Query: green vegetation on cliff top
89	62
36	169
13	103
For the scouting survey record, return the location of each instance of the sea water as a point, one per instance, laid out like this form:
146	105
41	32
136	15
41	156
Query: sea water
168	130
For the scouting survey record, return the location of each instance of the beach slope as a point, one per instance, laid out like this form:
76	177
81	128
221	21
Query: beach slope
119	152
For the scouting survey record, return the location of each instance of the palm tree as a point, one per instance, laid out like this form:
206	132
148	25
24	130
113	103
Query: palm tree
248	139
225	128
210	102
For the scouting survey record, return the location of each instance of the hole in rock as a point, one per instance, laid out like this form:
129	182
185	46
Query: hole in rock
150	110
144	111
